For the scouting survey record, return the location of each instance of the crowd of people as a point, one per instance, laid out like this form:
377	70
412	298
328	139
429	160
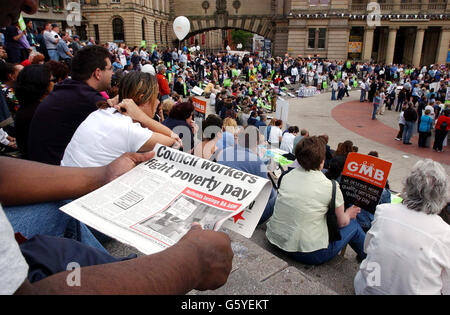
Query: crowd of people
99	110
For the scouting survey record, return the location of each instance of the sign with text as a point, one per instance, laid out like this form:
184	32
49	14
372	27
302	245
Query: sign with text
363	180
199	105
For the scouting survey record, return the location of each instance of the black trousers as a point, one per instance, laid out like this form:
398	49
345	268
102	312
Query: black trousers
439	139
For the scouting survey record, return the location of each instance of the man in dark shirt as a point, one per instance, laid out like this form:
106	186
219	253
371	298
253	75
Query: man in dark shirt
59	115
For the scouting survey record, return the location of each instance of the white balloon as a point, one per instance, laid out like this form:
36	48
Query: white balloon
181	27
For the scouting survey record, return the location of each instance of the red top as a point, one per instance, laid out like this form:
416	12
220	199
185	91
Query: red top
440	120
26	63
163	85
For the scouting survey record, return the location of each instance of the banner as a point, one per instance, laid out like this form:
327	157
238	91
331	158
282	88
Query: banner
199	105
363	180
355	47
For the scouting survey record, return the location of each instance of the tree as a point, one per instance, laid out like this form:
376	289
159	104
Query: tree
243	37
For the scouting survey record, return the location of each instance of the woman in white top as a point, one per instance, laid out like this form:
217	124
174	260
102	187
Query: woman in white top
408	246
287	142
298	225
111	131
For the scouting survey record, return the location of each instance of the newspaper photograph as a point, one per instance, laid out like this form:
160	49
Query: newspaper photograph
154	205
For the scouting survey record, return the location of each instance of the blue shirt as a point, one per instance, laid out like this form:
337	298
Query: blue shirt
62	49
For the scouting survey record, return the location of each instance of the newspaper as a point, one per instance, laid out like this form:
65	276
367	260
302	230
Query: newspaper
154	205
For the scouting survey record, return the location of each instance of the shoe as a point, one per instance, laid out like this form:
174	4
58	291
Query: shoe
407	143
398	139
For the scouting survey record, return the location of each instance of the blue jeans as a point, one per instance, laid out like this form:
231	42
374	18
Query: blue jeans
408	131
375	109
47	219
268	211
333	95
362	98
352	234
53	54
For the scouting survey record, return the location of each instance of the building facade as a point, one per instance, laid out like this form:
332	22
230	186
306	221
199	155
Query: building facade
413	32
396	31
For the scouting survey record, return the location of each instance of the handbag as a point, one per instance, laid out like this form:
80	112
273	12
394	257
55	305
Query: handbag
333	229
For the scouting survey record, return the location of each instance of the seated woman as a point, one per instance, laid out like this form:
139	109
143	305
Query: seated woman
408	246
181	122
33	84
111	131
229	133
211	133
244	157
298	225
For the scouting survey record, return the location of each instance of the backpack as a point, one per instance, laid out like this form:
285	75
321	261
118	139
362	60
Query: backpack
443	126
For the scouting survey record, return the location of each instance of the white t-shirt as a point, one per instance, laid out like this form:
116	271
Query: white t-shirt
408	252
275	134
13	267
287	143
104	136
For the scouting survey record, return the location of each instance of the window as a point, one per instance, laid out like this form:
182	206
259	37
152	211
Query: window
155	31
312	38
118	32
319	2
317	38
161	32
143	29
97	33
322	37
115	1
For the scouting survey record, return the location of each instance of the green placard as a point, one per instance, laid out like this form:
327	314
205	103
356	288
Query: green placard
396	199
22	24
227	83
143	43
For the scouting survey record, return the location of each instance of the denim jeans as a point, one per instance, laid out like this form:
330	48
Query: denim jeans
362	98
365	217
333	95
352	234
53	54
408	131
47	219
374	113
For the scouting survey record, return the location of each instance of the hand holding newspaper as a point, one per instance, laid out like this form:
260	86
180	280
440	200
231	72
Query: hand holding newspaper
154	205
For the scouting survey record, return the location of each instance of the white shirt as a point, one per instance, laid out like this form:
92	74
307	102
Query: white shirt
102	137
411	251
13	267
287	143
275	134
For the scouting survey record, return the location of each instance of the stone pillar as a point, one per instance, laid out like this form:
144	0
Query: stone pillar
417	56
368	43
391	44
444	39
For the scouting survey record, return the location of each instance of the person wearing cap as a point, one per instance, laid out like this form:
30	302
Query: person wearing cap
51	38
75	45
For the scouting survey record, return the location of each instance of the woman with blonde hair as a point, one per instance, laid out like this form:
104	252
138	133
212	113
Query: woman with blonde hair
127	127
229	134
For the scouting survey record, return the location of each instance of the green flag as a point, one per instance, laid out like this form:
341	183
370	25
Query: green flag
143	43
355	84
349	64
339	75
250	91
227	83
22	23
234	73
